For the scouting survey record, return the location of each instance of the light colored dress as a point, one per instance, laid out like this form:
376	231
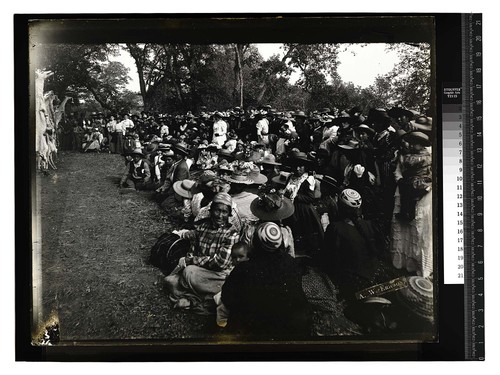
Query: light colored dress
411	242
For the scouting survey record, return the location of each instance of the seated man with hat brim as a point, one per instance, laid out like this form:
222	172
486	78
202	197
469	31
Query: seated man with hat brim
179	170
162	161
202	272
138	174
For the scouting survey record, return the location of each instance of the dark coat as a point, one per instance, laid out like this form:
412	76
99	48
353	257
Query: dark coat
181	171
265	298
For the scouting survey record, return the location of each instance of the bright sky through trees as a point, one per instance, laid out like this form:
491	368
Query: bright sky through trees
359	64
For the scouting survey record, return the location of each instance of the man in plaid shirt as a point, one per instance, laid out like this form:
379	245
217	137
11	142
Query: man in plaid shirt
200	274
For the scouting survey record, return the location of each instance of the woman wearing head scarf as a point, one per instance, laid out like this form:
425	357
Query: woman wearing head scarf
264	294
200	275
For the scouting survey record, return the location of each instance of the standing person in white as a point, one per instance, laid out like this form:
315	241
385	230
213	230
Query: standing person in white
262	129
220	130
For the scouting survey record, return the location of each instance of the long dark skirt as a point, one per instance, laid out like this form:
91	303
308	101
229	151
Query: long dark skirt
119	143
306	228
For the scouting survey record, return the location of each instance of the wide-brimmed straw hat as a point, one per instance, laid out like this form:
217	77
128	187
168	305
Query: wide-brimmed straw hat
424	123
418	297
137	151
205	177
272	206
257	177
364	128
417	137
239	177
164	147
224	165
152	147
268	159
352	144
183	188
253	156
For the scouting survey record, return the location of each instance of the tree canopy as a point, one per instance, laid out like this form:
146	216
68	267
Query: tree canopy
176	78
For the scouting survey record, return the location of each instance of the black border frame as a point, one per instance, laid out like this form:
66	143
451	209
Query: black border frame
199	29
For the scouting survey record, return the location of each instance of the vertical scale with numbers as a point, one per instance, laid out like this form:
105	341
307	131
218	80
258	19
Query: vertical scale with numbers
472	78
453	184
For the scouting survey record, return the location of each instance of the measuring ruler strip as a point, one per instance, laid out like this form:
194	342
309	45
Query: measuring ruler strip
473	186
453	184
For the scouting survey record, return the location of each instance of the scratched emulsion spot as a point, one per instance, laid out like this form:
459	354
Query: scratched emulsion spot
48	333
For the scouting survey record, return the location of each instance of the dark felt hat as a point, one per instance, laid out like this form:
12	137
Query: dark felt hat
272	206
282	178
180	148
299	158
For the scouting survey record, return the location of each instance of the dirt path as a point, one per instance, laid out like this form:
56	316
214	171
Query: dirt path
95	248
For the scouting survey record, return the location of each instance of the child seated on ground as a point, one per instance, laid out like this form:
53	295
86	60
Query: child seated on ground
239	253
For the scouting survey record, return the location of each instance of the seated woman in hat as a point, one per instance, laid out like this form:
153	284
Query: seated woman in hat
272	206
230	144
240	194
352	255
270	168
305	222
202	158
358	176
202	272
138	174
264	294
93	141
183	211
413	207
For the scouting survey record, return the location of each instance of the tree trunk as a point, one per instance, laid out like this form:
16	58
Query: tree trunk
137	54
176	81
238	50
262	92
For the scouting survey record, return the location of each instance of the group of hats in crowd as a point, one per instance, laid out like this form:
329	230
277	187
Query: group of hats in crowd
250	155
